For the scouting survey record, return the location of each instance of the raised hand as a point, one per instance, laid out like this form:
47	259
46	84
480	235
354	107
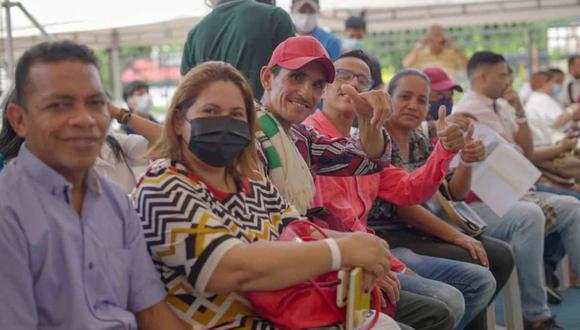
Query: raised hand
513	99
474	150
372	105
462	119
449	134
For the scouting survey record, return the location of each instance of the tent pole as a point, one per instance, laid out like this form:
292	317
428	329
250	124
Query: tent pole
9	42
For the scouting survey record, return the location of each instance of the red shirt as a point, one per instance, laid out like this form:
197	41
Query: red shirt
351	198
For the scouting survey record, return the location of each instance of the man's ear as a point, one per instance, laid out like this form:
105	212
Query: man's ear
17	117
266	77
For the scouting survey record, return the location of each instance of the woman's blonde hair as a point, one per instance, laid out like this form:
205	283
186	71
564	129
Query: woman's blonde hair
190	88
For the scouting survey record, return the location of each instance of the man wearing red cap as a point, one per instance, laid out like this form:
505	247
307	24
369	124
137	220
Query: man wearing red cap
293	82
442	90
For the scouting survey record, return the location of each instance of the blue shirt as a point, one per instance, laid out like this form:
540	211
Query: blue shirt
330	42
62	270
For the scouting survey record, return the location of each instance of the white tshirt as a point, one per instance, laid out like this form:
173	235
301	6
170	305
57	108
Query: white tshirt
542	112
123	173
525	92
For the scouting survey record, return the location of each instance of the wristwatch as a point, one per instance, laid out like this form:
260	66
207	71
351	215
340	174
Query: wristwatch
123	116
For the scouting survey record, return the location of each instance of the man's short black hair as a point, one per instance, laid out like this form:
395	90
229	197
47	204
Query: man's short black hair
356	53
572	58
483	58
54	51
132	87
355	22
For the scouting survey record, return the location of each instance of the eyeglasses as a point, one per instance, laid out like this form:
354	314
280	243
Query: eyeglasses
364	83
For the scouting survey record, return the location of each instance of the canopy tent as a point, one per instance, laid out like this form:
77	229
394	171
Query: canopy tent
171	27
110	24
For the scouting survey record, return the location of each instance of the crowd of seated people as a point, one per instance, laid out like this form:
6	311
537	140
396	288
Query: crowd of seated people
87	243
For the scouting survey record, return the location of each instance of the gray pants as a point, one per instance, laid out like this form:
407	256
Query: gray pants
419	312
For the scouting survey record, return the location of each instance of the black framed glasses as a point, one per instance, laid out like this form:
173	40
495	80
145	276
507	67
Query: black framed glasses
364	83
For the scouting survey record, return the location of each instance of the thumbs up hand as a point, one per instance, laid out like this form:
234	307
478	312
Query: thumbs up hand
474	150
449	134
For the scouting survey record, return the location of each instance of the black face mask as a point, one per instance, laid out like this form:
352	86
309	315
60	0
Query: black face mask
218	141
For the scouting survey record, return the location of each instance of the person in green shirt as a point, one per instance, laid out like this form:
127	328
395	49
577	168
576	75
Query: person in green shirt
243	33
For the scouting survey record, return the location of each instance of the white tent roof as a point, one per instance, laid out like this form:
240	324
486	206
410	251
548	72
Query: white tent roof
105	23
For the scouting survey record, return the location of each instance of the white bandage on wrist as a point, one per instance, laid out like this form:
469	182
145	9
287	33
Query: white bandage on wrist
464	163
335	253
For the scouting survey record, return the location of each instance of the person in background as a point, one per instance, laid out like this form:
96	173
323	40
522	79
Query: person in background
248	33
136	95
538	213
547	119
122	157
436	49
442	92
10	142
211	219
73	253
558	79
355	32
571	88
305	15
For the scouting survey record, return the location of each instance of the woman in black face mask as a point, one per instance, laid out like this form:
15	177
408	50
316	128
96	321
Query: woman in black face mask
209	216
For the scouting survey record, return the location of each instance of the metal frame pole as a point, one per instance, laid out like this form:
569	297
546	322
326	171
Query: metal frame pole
32	19
9	42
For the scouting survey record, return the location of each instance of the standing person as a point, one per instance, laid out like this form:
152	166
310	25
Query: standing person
136	95
248	33
211	220
571	88
73	254
538	213
355	31
437	50
305	15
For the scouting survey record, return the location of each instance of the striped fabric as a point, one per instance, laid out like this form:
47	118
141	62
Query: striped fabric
329	156
189	226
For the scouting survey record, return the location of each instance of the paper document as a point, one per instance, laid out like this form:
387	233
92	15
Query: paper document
504	176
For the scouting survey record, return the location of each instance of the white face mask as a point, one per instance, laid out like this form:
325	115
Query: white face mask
351	43
143	104
305	23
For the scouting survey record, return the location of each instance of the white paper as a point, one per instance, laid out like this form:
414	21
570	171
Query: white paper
504	176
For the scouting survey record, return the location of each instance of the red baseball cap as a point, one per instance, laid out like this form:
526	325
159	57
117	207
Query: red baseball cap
295	52
440	81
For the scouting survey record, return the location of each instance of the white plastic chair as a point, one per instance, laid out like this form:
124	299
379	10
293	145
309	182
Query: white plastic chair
512	306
